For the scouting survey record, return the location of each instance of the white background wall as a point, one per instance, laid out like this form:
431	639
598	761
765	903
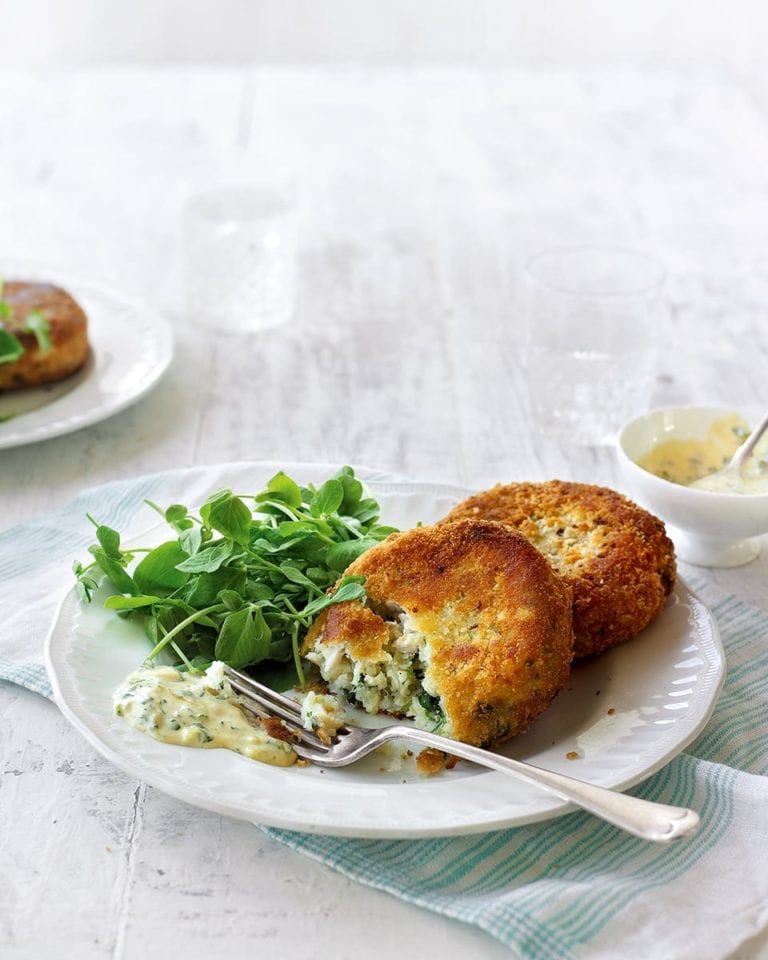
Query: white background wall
723	34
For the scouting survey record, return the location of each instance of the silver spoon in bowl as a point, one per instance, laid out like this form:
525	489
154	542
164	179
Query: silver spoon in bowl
733	468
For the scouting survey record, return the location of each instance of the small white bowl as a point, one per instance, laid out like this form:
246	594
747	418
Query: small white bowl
708	529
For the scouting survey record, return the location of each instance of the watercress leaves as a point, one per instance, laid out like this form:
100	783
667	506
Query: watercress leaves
114	568
210	559
282	488
10	347
229	515
158	572
119	602
340	555
109	540
350	588
178	517
244	638
353	491
328	498
238	583
203	589
37	324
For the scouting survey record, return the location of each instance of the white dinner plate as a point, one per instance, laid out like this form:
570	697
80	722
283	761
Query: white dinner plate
131	347
620	718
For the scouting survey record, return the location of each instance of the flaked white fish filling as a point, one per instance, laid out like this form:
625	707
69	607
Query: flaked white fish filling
397	683
322	714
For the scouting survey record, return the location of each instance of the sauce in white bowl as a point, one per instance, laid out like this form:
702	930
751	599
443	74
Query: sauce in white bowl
699	461
709	528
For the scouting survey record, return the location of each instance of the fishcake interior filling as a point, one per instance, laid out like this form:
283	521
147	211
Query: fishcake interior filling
396	681
568	542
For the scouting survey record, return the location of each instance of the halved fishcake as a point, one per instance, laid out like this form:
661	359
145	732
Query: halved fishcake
466	628
615	556
67	331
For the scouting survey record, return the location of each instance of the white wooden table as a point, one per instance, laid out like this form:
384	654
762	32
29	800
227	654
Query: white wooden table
419	193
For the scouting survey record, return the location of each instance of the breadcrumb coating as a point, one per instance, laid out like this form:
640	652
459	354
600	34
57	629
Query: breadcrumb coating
493	618
615	556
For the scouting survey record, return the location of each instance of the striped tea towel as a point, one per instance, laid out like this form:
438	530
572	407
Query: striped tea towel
567	888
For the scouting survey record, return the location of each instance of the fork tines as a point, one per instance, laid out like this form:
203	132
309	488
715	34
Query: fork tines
267	703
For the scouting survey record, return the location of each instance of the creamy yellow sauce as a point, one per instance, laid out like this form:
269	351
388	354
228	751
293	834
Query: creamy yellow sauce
695	462
752	478
196	710
683	461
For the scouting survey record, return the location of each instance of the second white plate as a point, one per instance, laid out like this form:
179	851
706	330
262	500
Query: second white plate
131	347
620	718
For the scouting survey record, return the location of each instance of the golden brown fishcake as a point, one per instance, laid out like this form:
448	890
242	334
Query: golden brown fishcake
68	328
482	615
616	556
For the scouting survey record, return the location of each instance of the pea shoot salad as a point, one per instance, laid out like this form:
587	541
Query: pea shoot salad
242	581
11	348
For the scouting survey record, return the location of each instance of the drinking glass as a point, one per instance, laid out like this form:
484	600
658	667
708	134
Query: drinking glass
592	332
240	257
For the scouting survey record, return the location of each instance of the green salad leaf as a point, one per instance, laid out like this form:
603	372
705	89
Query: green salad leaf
11	348
37	324
242	581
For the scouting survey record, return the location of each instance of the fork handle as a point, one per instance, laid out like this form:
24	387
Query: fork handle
643	818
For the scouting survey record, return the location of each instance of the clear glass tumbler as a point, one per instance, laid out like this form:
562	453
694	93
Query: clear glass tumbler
592	331
240	257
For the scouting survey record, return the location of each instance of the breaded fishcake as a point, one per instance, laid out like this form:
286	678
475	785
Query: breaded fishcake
615	556
466	628
67	327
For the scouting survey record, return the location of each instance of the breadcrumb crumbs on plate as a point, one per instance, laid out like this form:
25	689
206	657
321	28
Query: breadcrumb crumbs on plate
431	761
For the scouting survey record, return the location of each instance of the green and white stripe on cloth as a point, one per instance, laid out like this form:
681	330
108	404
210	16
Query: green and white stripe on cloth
568	888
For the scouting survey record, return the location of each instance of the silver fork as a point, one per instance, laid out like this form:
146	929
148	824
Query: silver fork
643	818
